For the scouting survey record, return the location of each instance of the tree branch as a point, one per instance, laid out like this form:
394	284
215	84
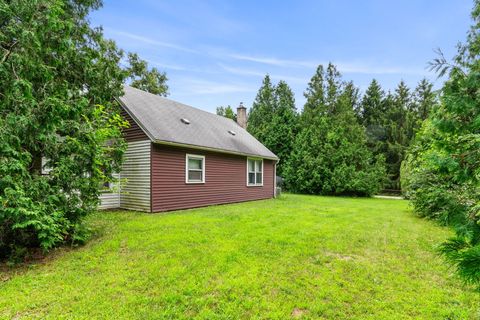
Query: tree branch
9	51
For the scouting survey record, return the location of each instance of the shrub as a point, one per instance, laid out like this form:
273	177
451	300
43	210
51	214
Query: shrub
59	78
444	171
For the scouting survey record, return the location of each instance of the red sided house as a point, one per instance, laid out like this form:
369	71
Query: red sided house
181	157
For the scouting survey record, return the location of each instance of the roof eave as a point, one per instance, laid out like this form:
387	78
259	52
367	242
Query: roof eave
139	123
204	148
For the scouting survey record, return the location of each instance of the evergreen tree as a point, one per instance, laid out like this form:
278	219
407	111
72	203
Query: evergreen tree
444	165
399	132
425	99
273	119
261	113
373	117
315	95
391	121
333	87
330	154
372	109
59	80
283	127
226	112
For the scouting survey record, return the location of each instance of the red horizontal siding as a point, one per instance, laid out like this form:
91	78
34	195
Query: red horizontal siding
225	180
133	132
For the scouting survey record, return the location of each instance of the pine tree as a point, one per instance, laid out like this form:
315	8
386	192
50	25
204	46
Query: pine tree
425	99
315	95
330	154
372	110
373	117
273	119
333	87
261	113
283	127
399	131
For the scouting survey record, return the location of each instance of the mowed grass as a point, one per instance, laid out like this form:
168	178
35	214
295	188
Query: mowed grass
294	257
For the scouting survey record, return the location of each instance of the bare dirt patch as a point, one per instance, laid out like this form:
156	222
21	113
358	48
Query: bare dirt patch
298	313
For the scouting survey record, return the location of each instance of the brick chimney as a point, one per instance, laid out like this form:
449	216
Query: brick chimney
242	116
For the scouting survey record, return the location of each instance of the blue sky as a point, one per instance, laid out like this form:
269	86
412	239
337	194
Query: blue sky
217	52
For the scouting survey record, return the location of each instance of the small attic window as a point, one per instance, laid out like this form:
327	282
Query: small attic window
185	120
232	132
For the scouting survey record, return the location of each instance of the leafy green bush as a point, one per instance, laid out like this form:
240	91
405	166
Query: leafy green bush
59	78
329	161
443	168
436	193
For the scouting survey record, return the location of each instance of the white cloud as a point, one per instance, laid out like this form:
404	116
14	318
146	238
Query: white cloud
201	16
151	41
344	67
249	72
196	86
168	66
359	68
274	61
368	69
242	72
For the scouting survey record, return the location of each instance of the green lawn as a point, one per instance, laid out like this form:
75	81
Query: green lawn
294	257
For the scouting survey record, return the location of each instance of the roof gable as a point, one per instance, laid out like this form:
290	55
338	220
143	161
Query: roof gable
160	118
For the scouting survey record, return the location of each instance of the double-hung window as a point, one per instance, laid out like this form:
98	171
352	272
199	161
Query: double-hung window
254	172
195	169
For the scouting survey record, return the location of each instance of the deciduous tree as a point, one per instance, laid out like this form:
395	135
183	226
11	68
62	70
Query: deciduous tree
59	80
144	78
226	112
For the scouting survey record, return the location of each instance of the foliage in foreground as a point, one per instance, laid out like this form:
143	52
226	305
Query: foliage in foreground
59	78
442	174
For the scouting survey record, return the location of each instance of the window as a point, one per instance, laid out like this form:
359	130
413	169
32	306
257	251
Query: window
106	185
195	169
45	170
254	172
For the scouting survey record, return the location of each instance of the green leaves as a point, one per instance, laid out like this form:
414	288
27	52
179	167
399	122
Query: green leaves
273	120
59	81
392	120
329	155
226	112
444	163
143	78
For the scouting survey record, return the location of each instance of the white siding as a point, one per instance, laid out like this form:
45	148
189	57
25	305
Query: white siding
135	176
111	200
45	169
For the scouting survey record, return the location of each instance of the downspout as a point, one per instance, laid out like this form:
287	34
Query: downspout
275	178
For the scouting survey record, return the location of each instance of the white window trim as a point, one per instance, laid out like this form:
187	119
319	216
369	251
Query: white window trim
263	170
189	155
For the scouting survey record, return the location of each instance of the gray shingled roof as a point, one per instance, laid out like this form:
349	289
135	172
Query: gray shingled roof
160	118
